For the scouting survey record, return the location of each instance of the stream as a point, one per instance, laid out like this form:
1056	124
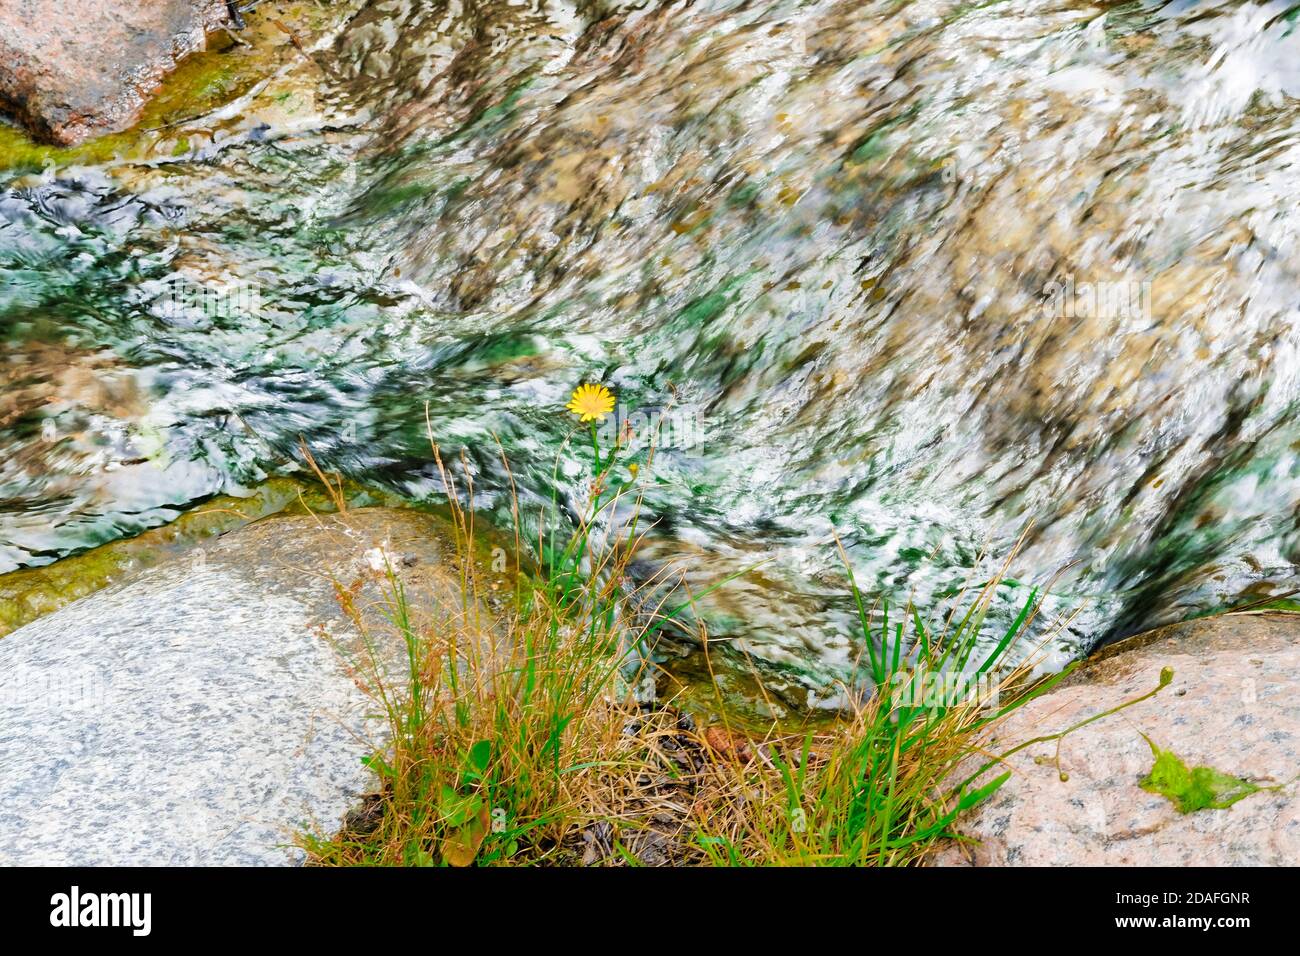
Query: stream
930	278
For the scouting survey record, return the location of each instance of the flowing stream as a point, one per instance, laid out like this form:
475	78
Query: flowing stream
923	276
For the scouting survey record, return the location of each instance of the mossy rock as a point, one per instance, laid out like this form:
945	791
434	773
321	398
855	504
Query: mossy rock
30	593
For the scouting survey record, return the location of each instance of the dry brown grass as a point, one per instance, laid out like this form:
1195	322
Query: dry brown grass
518	738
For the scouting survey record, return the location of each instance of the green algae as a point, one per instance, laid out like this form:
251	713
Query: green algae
198	84
201	82
33	592
856	408
30	593
1195	788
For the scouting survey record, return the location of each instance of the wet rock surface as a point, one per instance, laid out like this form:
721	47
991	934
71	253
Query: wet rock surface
203	711
839	251
71	71
1233	705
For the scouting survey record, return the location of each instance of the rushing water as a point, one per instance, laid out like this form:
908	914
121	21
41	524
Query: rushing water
916	274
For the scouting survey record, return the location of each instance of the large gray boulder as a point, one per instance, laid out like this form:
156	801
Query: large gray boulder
205	710
73	70
1233	706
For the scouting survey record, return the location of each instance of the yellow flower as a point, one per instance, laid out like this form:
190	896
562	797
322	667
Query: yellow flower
591	403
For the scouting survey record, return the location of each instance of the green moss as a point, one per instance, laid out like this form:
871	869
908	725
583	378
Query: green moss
19	153
33	592
1197	788
1286	605
200	83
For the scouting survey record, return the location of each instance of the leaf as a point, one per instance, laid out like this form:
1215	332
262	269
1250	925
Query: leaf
626	854
378	764
480	754
966	801
1012	631
983	793
1200	788
420	857
461	845
457	808
727	743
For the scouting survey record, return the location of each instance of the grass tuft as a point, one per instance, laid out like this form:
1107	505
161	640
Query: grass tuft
517	736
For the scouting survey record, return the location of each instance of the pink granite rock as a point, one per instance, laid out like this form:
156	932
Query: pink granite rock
74	70
1234	705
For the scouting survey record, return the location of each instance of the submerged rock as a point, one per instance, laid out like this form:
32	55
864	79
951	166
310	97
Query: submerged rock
73	71
205	710
1233	707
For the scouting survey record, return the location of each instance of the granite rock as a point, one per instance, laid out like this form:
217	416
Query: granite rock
203	711
71	71
1233	705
